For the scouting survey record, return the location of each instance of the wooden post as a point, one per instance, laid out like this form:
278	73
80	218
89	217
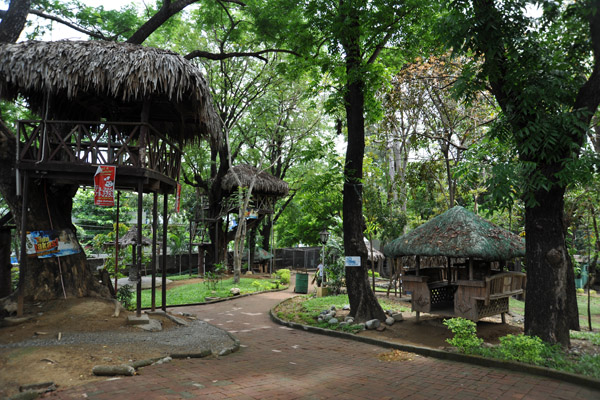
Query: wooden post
138	246
23	257
164	259
154	258
470	269
417	265
117	243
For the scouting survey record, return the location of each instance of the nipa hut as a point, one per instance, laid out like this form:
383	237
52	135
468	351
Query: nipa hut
472	283
106	104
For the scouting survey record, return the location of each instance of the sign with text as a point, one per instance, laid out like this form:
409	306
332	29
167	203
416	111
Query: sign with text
104	186
54	243
352	261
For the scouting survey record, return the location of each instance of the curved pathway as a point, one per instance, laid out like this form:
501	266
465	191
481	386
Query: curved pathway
277	362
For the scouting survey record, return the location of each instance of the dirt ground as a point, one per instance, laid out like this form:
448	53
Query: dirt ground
72	365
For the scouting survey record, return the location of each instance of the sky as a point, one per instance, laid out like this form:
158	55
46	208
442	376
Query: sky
62	32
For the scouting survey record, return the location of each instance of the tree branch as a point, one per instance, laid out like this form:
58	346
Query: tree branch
93	34
224	56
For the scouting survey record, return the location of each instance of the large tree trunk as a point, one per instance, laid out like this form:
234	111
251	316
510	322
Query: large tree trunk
5	266
363	303
49	207
550	295
14	20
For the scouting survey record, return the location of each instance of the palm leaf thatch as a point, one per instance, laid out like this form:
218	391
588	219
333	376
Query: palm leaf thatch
458	233
265	184
130	238
376	255
91	80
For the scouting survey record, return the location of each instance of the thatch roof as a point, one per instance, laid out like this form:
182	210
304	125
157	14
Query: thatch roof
90	80
265	184
376	255
458	233
131	238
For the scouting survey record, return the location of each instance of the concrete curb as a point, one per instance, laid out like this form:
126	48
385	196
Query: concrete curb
445	355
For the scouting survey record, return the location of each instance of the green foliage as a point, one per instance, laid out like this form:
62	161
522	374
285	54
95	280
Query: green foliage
335	271
370	272
522	348
125	297
263	285
465	334
214	277
283	275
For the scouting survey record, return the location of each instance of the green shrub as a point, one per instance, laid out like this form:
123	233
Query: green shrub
125	296
284	276
371	274
580	290
522	348
465	335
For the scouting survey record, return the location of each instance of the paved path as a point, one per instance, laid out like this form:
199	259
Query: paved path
277	362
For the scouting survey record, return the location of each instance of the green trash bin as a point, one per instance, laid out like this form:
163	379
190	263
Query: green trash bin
301	283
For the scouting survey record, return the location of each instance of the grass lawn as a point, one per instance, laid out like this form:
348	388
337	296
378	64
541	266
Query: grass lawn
197	292
518	307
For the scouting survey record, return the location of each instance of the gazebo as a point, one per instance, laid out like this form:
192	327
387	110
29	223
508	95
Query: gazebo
472	284
266	189
106	104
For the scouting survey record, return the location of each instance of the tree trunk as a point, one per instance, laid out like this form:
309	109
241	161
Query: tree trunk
363	303
49	207
13	22
550	287
5	266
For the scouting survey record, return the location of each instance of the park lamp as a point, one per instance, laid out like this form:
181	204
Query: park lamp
324	236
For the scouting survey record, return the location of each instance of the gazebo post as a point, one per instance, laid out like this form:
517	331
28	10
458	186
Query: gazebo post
138	245
23	257
470	269
164	259
154	228
117	242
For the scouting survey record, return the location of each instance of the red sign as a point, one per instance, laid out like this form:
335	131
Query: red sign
178	198
104	185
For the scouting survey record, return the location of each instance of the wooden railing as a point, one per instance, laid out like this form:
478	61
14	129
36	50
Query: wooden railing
504	284
98	143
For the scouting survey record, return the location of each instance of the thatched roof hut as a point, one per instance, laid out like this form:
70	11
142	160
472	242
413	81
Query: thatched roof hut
377	255
130	238
90	80
458	233
265	184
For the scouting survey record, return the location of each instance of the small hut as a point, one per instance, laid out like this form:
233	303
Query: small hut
376	257
472	284
266	189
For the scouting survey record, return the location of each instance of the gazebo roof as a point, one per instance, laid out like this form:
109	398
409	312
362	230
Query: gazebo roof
376	255
458	233
91	80
265	184
131	238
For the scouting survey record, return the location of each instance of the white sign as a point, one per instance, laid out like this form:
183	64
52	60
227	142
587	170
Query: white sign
353	261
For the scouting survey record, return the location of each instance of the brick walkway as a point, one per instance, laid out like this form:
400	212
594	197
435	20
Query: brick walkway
277	362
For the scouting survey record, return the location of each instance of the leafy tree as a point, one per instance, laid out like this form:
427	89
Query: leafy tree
544	74
348	40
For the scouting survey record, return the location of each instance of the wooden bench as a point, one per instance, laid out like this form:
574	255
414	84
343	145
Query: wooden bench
504	284
476	299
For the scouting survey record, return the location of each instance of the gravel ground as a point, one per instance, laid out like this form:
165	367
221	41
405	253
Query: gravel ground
196	337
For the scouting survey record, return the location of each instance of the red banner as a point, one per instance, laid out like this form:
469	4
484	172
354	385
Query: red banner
104	186
178	198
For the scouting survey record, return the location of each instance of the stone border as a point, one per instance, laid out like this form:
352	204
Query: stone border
446	355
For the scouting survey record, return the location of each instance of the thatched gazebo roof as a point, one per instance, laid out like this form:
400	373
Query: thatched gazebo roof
377	255
90	80
265	184
458	233
130	238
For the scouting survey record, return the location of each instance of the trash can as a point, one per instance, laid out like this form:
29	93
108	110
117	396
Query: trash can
301	283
